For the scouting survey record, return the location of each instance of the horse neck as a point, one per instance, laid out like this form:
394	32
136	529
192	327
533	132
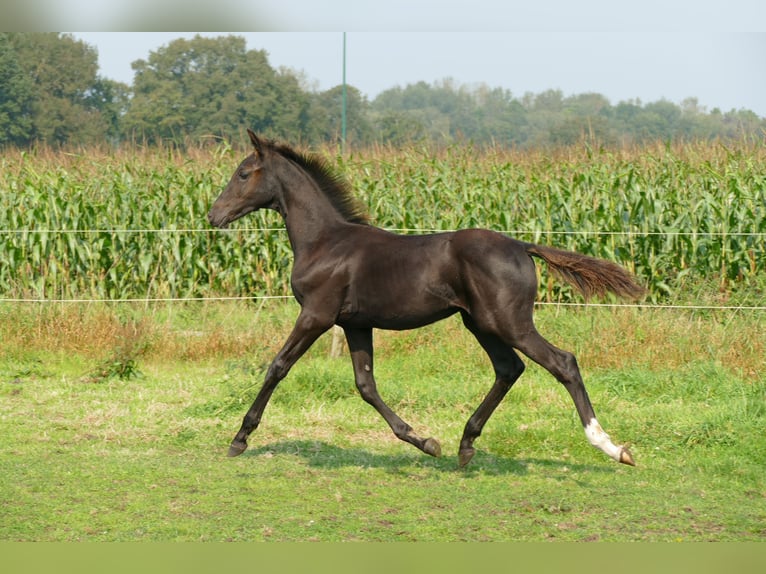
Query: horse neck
308	213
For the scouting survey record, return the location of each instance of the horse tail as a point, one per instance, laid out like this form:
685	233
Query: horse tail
590	276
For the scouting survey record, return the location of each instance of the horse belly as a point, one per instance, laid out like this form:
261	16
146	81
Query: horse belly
394	320
397	305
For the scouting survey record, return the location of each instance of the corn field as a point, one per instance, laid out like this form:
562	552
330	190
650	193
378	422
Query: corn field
132	224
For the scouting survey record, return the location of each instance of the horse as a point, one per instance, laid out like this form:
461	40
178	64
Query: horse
349	273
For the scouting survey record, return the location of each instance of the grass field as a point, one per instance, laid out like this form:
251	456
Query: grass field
115	426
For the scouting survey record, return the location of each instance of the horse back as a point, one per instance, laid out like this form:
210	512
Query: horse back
398	281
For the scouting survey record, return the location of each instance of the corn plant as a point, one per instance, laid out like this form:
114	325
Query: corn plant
132	224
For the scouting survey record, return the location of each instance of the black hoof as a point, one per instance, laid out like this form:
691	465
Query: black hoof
432	447
236	448
464	456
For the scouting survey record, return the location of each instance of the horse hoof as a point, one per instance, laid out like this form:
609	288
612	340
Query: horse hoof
432	447
236	448
464	456
626	457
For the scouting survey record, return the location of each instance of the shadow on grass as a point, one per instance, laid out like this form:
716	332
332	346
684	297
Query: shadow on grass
320	454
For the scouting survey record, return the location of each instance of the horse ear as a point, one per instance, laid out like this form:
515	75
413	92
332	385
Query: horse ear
255	140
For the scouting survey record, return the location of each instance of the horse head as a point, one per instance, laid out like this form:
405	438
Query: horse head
250	188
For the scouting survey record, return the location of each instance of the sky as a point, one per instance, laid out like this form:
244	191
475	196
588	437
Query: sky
712	50
725	70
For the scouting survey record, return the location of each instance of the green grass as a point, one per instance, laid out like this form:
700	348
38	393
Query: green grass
140	455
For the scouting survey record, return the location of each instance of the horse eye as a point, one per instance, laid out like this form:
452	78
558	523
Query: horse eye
243	175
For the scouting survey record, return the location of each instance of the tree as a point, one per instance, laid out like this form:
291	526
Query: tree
440	112
113	100
325	119
50	91
212	86
544	111
398	127
63	74
583	117
15	97
502	119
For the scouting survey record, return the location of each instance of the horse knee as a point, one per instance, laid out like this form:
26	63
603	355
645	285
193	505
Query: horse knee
570	371
563	367
367	389
277	370
510	369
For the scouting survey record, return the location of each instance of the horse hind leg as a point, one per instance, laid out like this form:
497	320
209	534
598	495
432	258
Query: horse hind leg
360	345
508	368
563	366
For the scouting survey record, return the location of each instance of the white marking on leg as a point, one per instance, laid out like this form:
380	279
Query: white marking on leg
598	438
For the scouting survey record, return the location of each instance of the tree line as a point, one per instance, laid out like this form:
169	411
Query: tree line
191	90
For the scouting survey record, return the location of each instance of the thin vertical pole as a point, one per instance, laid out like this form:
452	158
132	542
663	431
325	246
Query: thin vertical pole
343	111
336	347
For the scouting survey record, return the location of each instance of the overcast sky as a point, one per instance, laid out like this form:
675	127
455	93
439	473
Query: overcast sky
726	70
713	50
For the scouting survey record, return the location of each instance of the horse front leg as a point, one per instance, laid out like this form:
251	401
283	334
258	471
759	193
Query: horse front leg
360	345
307	329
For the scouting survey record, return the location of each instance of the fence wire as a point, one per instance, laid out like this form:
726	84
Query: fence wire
253	298
391	229
148	300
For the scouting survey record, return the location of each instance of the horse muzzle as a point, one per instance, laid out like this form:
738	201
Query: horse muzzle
220	221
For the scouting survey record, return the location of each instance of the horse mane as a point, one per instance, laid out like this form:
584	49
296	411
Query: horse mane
334	186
